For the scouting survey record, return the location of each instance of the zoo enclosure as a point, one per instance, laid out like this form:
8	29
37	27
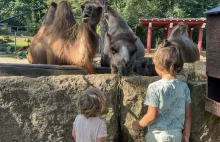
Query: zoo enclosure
167	25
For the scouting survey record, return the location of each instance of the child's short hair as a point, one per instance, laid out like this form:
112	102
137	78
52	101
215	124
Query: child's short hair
169	57
91	102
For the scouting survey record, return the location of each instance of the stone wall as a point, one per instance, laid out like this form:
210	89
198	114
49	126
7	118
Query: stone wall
42	109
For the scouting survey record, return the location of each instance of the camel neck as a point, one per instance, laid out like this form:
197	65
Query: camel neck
87	38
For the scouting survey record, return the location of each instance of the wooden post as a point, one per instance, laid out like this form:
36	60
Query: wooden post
149	36
15	41
169	29
190	32
200	37
165	33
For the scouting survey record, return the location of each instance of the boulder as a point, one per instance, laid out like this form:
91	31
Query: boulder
43	109
205	126
8	49
195	71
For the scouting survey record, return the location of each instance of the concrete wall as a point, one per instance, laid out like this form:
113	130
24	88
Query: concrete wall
43	108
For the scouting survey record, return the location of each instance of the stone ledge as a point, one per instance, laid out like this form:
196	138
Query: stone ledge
43	108
195	71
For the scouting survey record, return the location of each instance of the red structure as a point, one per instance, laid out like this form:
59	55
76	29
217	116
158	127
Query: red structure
168	24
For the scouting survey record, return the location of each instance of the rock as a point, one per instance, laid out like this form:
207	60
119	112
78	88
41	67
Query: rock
195	71
133	91
8	49
43	109
205	126
132	107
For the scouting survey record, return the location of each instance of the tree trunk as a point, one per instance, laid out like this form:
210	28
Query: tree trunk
104	29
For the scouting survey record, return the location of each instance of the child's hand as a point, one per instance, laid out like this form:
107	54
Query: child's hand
185	139
135	125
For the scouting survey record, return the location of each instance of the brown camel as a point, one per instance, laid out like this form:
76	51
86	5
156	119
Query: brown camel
37	51
58	46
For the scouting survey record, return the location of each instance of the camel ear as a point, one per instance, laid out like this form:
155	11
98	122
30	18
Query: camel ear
53	4
106	15
167	43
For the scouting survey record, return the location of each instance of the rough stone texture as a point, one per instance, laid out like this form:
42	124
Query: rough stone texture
205	126
133	91
43	109
195	71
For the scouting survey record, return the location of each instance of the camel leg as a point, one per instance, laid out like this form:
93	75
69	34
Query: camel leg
89	68
114	69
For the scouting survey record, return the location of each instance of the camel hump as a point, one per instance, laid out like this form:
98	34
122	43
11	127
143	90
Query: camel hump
180	30
53	4
49	16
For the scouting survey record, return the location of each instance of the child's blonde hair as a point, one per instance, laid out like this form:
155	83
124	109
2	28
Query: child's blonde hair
169	57
91	103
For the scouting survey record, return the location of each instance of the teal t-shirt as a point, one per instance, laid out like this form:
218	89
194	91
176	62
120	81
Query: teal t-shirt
170	97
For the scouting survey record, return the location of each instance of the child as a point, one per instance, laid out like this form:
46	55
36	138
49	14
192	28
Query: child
88	127
168	99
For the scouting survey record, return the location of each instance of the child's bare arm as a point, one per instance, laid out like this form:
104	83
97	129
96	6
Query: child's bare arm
148	118
187	124
73	133
101	139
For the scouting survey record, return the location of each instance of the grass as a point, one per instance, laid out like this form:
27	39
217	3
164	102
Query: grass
20	41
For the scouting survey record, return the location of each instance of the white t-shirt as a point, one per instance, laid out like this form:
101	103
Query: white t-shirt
89	129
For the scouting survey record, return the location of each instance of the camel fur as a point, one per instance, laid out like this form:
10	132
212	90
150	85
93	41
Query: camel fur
122	46
54	44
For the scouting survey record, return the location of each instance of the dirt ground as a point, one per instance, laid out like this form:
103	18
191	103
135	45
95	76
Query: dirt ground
10	59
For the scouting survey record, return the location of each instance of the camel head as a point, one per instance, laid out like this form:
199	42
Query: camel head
180	36
114	20
179	30
120	50
92	12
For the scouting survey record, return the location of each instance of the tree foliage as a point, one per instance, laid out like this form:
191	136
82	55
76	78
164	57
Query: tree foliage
131	10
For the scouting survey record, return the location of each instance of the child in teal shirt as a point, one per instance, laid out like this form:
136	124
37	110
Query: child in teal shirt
169	116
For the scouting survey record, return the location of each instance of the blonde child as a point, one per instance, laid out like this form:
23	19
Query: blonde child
168	116
88	127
